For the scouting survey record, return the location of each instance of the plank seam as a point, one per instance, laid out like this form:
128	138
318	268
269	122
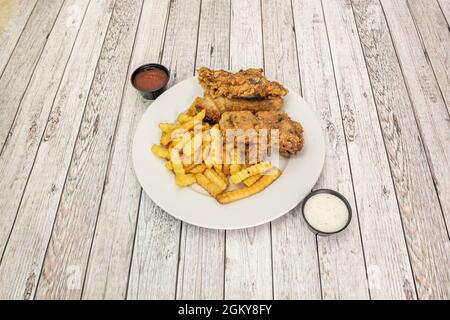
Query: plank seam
71	159
425	51
29	80
415	117
385	150
346	148
40	142
18	39
140	194
110	154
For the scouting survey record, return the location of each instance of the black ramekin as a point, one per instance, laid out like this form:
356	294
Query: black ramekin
334	193
151	94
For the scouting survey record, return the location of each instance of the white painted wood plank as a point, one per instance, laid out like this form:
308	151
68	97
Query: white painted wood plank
295	276
76	217
19	152
341	258
24	58
388	266
109	263
429	107
445	7
24	254
11	34
423	222
153	272
434	34
201	262
248	269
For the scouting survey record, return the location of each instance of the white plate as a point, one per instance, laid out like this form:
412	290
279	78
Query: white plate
300	172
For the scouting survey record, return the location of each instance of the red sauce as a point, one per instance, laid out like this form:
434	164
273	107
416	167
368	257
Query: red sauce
150	79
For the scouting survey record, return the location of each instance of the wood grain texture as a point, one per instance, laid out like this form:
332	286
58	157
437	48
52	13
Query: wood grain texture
201	262
19	152
388	267
248	269
111	253
434	34
12	31
423	222
153	272
429	107
8	9
445	7
18	72
295	276
74	226
24	254
341	259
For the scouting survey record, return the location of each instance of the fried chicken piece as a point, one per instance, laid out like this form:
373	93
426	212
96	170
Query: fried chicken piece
291	138
290	132
245	84
215	107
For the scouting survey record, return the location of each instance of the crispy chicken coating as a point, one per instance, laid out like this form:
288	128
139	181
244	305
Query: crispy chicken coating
290	132
245	84
215	107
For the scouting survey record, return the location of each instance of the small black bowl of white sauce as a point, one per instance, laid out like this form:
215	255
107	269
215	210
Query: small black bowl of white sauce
326	212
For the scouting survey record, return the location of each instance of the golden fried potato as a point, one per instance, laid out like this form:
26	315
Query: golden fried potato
183	117
216	179
251	180
167	127
199	168
184	180
176	162
226	169
235	168
195	119
250	171
245	192
222	175
208	185
160	151
169	165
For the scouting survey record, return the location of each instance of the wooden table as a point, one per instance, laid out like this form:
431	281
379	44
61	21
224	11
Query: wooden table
75	223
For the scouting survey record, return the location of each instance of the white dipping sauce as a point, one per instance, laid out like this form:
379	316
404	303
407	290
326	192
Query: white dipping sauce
326	212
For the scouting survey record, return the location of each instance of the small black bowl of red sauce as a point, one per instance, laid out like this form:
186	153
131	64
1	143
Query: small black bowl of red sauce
150	80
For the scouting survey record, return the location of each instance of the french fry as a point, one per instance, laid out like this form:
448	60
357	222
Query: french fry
195	119
216	145
167	127
189	167
235	168
251	180
198	168
226	169
195	143
184	180
168	136
218	166
183	117
160	151
250	171
169	165
222	175
215	178
245	192
208	185
182	141
176	162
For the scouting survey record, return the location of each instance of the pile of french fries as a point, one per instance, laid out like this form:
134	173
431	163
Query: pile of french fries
195	153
